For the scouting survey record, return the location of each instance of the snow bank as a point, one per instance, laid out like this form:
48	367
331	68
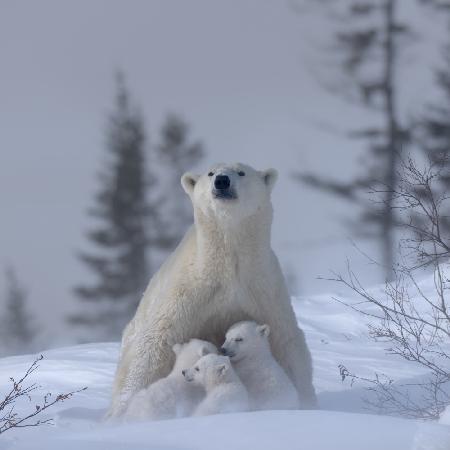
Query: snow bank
336	335
445	416
316	430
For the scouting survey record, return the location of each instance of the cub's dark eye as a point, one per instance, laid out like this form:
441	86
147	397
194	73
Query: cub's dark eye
239	339
197	369
210	174
241	174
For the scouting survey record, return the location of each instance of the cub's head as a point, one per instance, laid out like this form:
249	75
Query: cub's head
232	191
189	353
210	370
245	339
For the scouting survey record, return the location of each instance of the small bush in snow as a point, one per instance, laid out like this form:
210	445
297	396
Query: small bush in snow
413	318
20	389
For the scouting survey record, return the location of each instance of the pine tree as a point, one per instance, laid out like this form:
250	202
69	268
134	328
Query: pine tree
435	139
176	154
17	326
119	261
433	132
368	44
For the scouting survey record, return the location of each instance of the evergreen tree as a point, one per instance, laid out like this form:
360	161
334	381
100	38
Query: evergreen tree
435	125
368	44
433	132
176	154
119	261
17	327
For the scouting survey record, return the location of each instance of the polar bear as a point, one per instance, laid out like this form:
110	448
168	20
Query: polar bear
223	271
225	392
171	396
247	346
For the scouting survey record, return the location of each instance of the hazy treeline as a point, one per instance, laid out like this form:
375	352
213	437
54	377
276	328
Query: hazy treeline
18	328
370	41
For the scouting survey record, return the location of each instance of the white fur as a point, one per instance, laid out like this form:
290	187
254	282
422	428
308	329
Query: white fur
267	384
171	396
223	271
225	392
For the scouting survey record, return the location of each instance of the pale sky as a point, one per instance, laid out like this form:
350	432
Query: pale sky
242	72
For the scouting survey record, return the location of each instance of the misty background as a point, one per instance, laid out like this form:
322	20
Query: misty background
256	82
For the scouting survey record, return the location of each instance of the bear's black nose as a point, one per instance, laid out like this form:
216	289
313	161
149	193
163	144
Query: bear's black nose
183	372
222	182
223	350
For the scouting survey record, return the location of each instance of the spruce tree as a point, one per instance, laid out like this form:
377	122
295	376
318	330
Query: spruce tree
176	154
434	138
17	326
119	241
368	44
433	130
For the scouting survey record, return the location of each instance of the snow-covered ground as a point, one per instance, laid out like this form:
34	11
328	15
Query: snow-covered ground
336	335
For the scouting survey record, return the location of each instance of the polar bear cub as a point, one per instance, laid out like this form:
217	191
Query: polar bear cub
225	392
171	396
268	386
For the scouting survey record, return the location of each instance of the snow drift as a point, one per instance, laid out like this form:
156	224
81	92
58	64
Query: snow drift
336	335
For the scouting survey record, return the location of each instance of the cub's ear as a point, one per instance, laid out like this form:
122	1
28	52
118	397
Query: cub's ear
176	348
264	330
188	181
270	177
204	350
222	369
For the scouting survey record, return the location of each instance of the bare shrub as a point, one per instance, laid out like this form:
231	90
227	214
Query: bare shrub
10	418
413	320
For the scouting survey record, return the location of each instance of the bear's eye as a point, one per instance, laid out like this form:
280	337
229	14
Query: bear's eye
239	339
197	369
210	174
241	174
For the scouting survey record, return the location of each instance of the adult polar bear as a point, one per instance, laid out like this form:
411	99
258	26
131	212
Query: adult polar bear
223	271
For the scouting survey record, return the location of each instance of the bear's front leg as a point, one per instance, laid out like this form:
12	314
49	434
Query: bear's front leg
293	355
145	360
147	353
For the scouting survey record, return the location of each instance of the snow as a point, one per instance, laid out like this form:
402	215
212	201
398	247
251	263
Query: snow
445	416
336	335
262	430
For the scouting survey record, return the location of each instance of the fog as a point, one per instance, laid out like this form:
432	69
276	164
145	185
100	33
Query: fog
244	74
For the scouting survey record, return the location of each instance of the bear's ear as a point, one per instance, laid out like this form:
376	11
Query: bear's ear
222	369
264	330
204	350
176	348
188	181
270	177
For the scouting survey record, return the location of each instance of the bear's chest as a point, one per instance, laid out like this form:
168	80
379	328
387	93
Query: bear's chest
225	294
238	290
230	279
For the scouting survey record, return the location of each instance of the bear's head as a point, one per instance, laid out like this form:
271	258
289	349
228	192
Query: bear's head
189	353
210	370
230	192
245	339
